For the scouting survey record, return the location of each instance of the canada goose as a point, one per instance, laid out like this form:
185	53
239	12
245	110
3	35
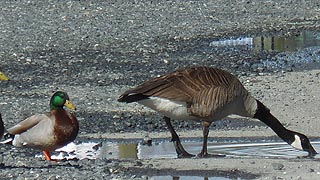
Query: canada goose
48	131
206	94
3	77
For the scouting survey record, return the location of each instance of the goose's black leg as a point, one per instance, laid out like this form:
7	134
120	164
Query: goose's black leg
204	151
182	153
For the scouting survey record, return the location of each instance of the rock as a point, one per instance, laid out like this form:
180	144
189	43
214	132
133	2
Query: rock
277	166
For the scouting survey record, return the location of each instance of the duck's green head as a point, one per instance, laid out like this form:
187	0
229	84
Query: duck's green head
60	99
3	77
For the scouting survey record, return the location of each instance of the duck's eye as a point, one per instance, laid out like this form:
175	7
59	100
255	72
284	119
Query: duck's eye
63	95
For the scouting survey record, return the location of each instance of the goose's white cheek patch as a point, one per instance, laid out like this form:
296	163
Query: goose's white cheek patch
297	143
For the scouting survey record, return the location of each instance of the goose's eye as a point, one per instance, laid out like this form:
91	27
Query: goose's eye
304	140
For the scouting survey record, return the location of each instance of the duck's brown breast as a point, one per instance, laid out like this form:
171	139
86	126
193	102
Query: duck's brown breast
66	127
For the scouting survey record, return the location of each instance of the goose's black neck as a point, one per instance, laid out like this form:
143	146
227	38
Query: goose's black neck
264	115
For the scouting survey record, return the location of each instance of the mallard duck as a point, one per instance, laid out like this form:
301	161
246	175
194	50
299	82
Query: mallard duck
3	77
48	131
206	95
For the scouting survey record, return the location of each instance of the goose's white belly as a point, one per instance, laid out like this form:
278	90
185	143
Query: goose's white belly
172	109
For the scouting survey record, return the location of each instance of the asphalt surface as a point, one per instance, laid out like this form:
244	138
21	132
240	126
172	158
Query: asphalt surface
94	50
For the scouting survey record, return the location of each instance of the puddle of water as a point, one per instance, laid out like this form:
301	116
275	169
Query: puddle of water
264	150
95	150
189	178
273	43
161	149
165	149
298	51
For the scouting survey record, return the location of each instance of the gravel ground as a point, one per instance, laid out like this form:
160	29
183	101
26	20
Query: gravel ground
94	50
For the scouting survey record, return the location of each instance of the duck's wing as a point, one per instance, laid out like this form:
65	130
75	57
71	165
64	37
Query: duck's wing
27	123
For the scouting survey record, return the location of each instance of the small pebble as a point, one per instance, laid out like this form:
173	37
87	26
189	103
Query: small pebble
277	166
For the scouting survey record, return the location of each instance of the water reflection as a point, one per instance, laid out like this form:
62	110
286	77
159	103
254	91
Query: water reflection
290	43
165	149
94	150
189	178
273	43
128	151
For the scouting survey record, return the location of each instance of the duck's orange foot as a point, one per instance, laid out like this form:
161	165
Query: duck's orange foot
47	156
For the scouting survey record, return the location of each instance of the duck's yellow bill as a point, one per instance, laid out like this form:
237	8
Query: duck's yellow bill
69	105
3	77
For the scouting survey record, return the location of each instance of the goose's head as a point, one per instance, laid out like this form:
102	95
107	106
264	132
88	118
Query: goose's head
295	139
301	142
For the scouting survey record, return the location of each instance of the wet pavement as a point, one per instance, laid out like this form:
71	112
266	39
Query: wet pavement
262	55
163	149
277	52
95	50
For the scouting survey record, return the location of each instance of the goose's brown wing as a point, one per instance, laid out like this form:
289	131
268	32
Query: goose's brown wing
181	85
215	99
